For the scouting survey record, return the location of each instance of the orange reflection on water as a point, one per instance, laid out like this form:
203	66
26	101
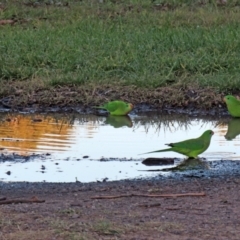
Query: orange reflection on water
30	133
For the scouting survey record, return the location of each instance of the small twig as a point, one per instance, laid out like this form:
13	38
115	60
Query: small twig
168	208
200	194
150	205
2	198
94	90
15	201
7	21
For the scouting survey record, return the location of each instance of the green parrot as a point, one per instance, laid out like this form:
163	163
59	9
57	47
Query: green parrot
119	121
233	105
233	129
190	147
117	108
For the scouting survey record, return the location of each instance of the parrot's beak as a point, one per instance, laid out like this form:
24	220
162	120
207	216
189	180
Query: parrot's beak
224	99
132	106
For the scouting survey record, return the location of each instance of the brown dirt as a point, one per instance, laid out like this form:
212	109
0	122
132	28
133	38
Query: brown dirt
70	213
37	94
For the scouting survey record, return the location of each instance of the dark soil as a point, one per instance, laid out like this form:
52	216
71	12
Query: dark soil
69	212
32	96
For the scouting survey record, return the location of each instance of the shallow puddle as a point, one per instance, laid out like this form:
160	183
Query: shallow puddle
86	148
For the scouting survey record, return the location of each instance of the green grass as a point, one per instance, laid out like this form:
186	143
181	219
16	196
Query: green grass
144	43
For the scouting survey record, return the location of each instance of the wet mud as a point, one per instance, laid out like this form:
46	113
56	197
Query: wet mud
172	168
138	109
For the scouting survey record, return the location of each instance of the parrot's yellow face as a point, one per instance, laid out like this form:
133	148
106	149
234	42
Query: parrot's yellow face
130	105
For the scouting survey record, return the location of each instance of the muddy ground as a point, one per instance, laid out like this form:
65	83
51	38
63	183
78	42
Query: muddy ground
35	96
70	212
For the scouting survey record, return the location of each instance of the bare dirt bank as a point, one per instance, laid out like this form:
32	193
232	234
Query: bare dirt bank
69	212
35	95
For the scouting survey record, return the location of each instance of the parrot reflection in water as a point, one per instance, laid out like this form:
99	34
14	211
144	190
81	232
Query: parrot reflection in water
233	128
119	121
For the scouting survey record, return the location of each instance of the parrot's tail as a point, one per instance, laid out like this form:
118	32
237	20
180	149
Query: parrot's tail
163	150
